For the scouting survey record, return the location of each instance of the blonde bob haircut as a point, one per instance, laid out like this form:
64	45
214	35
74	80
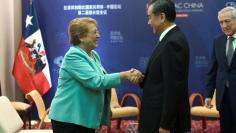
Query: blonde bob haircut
78	28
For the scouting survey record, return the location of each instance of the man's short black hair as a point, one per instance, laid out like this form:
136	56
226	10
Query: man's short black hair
164	6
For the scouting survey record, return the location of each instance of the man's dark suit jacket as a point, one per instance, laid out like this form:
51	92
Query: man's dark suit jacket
165	101
220	72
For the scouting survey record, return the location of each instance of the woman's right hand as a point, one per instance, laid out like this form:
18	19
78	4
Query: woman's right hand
136	76
133	75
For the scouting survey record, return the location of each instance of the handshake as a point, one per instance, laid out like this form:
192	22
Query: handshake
133	75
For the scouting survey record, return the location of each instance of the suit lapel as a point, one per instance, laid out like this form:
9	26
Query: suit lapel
222	45
233	58
158	50
152	57
162	44
224	41
156	53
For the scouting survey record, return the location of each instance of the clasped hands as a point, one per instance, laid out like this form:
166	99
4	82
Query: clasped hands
135	76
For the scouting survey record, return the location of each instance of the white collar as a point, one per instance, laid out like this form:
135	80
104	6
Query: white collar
234	35
166	31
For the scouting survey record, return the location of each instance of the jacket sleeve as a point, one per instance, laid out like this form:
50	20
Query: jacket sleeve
211	75
80	68
174	59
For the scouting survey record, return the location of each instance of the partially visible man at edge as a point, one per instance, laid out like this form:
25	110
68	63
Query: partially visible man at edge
222	72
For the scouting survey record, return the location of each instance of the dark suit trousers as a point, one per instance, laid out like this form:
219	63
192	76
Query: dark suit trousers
149	121
227	118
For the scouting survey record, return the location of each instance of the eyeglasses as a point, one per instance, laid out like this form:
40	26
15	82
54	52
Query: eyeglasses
96	32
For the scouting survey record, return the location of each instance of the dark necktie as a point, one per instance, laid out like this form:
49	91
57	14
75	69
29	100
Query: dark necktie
230	51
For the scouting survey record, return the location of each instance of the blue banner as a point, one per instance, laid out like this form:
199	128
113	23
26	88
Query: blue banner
126	39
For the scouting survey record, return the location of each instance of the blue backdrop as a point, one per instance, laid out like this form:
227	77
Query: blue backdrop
126	39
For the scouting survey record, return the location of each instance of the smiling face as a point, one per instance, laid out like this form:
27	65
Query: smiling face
90	40
155	21
227	22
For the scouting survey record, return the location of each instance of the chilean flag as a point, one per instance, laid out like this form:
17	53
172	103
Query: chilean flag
31	70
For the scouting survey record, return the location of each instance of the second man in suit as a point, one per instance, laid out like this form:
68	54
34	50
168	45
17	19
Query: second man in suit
222	72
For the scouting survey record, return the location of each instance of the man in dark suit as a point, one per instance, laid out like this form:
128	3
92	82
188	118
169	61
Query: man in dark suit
165	105
222	72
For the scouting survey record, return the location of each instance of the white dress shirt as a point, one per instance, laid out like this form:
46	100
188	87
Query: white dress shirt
166	31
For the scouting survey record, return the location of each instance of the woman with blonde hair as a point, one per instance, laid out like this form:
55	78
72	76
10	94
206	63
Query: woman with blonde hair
81	103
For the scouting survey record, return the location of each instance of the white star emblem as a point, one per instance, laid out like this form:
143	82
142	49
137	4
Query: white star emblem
28	21
33	55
